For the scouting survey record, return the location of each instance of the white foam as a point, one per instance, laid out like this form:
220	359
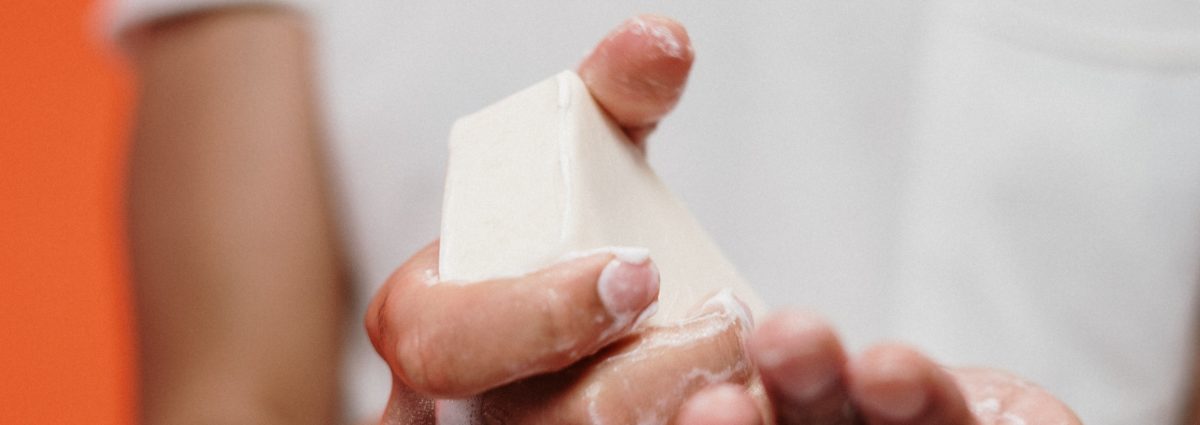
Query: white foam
455	412
987	406
664	39
725	300
1012	418
626	254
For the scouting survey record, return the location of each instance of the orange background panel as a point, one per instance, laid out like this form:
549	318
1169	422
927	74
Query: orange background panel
66	343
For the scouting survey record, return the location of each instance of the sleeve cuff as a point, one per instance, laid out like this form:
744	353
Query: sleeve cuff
122	15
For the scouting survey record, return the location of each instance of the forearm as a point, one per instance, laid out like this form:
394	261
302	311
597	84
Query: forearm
234	257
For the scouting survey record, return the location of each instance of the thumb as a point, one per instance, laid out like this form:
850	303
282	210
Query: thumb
638	71
452	340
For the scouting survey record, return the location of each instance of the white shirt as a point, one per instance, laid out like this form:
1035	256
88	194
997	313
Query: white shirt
1010	183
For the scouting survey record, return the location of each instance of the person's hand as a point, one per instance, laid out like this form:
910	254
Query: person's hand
562	345
810	380
638	72
453	341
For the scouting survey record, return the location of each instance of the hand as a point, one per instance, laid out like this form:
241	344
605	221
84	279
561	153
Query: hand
497	342
642	379
638	72
458	341
809	380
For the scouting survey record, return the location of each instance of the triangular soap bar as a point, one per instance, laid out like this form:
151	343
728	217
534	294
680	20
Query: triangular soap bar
545	173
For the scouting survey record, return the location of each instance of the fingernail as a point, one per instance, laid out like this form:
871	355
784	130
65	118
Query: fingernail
803	353
895	403
810	382
895	391
628	287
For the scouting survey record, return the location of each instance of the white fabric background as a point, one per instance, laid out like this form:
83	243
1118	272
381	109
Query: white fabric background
1005	183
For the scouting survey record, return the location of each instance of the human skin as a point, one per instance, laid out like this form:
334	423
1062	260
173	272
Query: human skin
235	298
637	74
811	380
239	288
806	377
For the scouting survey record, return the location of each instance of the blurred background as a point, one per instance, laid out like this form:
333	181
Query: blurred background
66	345
1069	128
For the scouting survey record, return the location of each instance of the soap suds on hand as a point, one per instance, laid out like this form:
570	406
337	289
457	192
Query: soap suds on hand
627	254
664	39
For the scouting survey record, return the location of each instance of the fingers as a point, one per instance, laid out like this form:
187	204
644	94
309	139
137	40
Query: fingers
998	397
801	362
725	404
644	378
809	381
895	385
638	72
449	340
892	384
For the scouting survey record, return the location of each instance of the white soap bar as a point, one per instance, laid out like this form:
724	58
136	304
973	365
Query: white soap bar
545	173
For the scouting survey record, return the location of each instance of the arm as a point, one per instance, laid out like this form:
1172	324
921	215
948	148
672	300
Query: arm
238	287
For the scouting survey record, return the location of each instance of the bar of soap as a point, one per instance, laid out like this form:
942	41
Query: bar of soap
545	173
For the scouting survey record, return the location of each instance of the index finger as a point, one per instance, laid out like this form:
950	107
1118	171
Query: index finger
452	340
638	72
